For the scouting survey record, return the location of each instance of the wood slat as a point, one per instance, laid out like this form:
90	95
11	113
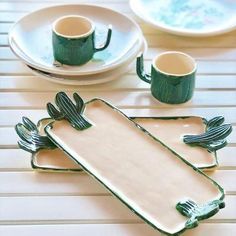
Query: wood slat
46	209
49	184
141	229
7	54
132	99
126	82
4	27
33	183
14	159
3	40
10	17
85	209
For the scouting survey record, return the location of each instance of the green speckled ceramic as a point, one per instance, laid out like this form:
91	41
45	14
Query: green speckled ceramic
73	40
172	77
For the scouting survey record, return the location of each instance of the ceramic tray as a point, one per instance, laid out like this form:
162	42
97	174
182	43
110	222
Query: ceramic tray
30	38
96	78
202	136
200	154
188	17
152	180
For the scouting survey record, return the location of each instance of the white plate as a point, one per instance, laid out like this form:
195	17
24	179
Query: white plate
30	39
91	79
188	17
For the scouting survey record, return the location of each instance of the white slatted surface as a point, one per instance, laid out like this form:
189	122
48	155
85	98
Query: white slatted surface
73	204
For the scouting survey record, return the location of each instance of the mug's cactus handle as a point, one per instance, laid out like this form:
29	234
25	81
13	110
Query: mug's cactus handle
108	40
140	70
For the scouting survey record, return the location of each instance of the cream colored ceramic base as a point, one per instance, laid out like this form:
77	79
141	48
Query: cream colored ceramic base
139	170
53	160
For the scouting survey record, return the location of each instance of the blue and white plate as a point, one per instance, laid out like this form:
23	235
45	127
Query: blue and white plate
188	17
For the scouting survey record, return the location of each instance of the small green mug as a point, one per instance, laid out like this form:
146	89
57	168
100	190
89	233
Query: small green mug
172	76
73	40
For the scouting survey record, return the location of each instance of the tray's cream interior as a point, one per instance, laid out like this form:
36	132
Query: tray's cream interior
171	132
54	159
140	170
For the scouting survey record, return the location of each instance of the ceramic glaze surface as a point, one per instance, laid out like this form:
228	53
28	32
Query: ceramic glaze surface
123	157
172	89
73	40
190	17
31	39
54	159
73	51
171	85
171	132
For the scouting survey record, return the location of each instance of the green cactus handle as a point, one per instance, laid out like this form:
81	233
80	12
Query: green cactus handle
31	141
214	137
140	70
214	122
196	212
69	111
107	42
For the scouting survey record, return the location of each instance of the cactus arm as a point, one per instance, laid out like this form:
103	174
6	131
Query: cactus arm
69	111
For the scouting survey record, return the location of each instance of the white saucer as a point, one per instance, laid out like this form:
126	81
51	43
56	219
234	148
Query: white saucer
30	39
91	79
188	17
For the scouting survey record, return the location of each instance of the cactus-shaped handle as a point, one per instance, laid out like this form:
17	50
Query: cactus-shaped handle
69	111
140	70
214	137
197	212
31	141
214	122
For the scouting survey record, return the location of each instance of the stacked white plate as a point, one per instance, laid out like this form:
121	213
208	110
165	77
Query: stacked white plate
31	40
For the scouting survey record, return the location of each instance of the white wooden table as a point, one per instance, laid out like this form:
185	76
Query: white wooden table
73	204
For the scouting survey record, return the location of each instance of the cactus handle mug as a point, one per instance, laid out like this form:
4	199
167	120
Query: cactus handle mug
73	40
172	76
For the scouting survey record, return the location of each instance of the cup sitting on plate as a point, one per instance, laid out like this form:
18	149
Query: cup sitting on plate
73	40
172	76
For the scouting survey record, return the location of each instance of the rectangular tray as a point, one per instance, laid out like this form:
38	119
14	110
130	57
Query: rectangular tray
151	179
170	130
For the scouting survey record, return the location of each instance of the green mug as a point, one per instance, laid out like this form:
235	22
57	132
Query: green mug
172	76
73	40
